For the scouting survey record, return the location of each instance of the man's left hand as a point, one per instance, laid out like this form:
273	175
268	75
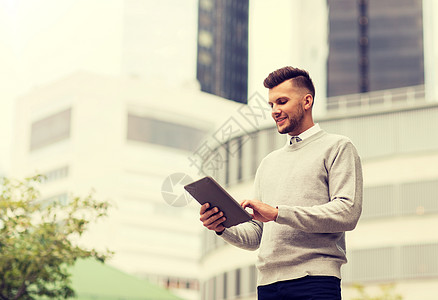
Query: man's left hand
261	211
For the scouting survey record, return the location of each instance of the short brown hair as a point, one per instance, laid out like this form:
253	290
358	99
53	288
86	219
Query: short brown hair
301	78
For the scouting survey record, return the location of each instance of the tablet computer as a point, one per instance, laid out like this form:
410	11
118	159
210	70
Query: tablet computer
208	190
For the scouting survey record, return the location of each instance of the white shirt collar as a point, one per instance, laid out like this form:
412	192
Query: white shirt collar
308	133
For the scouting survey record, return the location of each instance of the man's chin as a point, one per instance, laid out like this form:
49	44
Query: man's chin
282	130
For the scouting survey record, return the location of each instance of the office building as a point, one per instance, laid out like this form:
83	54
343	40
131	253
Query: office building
118	137
222	56
374	45
42	42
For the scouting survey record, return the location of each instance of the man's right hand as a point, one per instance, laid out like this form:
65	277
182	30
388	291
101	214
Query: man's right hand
212	218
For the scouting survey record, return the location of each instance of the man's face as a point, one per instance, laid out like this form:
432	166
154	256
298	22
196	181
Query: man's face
287	103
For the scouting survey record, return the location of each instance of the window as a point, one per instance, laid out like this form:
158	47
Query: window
238	292
239	159
252	279
227	163
148	130
60	198
55	174
50	130
225	286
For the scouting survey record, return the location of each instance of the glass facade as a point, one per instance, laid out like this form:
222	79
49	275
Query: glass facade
222	59
342	64
396	44
374	45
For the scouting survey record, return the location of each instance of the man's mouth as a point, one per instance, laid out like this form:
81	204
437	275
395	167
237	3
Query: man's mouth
280	121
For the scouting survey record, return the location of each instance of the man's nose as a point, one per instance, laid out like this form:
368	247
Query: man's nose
275	110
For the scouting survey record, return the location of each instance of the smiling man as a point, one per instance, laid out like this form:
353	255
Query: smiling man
307	194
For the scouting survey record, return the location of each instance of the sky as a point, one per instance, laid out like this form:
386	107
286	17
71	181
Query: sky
44	40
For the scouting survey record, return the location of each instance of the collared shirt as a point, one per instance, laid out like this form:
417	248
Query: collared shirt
306	134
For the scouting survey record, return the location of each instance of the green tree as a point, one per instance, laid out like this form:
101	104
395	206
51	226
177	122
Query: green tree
387	293
37	240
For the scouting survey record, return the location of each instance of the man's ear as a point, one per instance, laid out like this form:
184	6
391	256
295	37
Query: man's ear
308	102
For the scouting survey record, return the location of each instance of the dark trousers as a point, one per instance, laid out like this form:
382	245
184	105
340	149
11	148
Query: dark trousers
305	288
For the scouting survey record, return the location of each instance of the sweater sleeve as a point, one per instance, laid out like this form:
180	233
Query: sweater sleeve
343	208
246	236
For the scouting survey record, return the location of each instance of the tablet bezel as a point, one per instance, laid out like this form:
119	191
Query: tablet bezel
207	190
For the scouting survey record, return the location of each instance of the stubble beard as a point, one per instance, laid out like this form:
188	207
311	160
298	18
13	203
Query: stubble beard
294	122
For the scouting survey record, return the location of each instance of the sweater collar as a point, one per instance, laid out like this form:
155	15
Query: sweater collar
306	134
308	140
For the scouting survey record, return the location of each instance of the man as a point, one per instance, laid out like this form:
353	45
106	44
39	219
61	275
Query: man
307	194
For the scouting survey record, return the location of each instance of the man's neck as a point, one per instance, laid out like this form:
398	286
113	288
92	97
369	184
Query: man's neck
306	126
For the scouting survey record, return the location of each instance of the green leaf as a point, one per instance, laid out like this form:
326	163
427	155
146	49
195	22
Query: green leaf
35	240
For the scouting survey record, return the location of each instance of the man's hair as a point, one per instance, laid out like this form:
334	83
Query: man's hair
300	77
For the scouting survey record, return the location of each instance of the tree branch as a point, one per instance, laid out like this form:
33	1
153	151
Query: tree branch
2	287
21	291
2	297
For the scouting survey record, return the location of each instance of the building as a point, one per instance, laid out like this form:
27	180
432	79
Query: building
374	45
400	50
43	42
222	56
277	38
394	241
122	138
380	95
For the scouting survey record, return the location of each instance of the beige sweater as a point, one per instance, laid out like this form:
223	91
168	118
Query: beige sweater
317	186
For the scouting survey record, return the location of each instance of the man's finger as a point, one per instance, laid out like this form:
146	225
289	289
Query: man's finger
204	208
211	218
216	223
206	215
248	204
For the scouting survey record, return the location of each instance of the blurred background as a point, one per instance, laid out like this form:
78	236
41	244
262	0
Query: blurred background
132	98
